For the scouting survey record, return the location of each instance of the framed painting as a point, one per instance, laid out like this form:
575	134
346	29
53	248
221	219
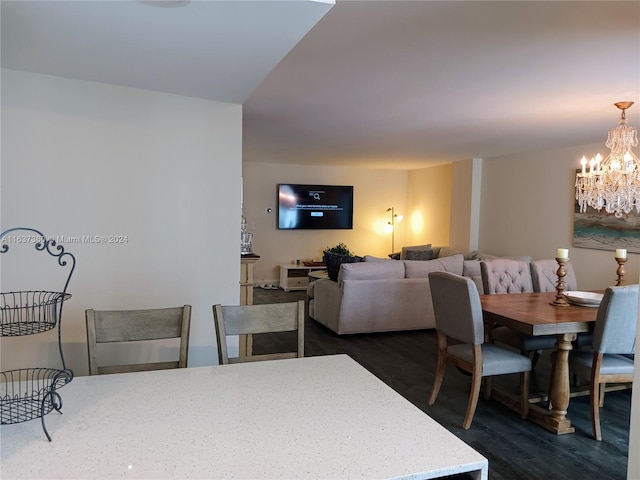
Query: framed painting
603	231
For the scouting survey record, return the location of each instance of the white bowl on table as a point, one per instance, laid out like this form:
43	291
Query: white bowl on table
584	299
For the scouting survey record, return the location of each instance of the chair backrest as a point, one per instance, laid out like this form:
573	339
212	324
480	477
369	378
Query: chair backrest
616	322
506	275
254	319
457	308
118	326
545	277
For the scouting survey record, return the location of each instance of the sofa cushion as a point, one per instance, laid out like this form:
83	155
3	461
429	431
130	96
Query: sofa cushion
448	251
371	258
421	269
471	269
370	271
486	256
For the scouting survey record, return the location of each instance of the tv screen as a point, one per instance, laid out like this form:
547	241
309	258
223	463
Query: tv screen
315	206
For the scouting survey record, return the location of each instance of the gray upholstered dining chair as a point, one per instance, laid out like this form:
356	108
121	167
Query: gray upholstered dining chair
255	319
460	329
544	275
614	339
123	326
505	275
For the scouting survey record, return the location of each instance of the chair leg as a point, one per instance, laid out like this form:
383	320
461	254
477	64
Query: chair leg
487	388
595	411
437	381
602	388
476	381
524	394
535	358
594	398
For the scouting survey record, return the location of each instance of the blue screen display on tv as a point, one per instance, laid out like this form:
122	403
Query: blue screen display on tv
307	207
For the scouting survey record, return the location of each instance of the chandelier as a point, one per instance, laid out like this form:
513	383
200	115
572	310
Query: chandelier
612	184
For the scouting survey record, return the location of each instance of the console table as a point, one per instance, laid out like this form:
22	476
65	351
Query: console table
296	277
246	278
314	418
246	295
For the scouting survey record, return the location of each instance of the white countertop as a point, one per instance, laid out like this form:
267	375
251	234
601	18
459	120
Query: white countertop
316	417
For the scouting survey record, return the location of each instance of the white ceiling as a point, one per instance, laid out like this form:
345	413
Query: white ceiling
382	84
219	50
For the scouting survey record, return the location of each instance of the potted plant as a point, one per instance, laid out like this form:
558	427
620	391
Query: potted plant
336	256
340	249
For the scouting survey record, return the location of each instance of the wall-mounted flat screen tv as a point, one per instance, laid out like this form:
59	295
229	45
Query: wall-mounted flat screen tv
308	207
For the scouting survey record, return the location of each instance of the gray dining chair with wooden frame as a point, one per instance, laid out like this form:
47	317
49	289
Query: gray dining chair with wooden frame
544	275
460	329
120	326
511	276
614	340
257	319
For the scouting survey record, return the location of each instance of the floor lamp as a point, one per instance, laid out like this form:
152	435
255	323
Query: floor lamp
394	218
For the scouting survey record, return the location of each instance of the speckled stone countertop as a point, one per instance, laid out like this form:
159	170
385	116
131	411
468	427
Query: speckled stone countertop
311	418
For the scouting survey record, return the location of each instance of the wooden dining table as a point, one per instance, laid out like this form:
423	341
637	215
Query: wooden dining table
535	314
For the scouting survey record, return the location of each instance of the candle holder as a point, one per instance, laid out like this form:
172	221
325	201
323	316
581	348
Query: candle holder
620	271
561	300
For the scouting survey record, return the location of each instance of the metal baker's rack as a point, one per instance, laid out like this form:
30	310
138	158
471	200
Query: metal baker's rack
30	393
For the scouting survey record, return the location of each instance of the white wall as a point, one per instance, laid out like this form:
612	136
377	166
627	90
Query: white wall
429	206
466	194
84	158
374	192
527	209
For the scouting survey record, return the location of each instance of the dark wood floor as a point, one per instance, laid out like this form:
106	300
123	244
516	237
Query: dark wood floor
516	449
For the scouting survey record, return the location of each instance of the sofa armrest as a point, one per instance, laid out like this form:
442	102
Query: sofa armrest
327	298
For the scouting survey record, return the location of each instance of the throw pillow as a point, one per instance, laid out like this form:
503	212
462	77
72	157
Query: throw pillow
419	255
403	254
453	264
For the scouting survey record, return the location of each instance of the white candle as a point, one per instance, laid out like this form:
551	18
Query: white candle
583	162
621	253
562	253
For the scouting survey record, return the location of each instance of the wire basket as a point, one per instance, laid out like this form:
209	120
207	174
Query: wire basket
29	312
30	393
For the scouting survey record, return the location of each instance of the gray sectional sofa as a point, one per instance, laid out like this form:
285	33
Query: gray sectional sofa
383	295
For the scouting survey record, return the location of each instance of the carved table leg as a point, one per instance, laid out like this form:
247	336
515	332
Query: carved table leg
560	385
